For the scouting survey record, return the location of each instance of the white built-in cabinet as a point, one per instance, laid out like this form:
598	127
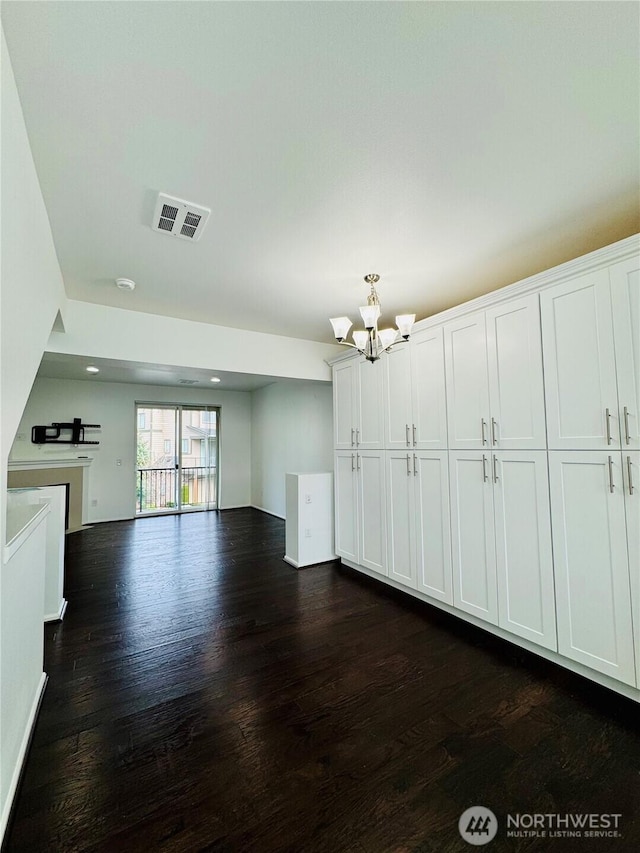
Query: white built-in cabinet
494	380
415	416
360	526
492	464
624	279
501	550
357	414
591	559
591	334
418	530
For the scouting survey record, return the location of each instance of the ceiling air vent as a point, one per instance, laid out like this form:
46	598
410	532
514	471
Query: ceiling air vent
187	381
179	218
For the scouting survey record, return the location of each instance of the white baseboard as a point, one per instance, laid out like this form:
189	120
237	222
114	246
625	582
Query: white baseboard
59	616
268	511
297	565
22	754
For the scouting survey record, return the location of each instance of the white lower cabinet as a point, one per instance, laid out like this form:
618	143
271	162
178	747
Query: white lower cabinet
418	530
473	549
524	558
631	479
501	541
589	494
360	508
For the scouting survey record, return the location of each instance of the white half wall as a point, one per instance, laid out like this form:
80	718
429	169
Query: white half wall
31	285
112	405
31	294
101	332
292	432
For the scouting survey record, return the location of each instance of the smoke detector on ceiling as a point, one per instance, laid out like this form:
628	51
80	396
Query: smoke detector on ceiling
125	284
179	218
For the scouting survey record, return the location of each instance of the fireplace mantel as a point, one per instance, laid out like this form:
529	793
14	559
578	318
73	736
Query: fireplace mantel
73	472
28	464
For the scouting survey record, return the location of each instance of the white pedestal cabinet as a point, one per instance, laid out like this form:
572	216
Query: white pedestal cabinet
491	467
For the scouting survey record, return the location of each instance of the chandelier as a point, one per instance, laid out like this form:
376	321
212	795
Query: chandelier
372	342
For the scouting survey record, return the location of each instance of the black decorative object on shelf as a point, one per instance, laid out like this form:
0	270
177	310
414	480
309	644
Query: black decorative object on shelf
51	434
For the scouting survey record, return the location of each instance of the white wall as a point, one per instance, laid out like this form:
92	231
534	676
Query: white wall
292	430
31	293
91	330
112	405
31	283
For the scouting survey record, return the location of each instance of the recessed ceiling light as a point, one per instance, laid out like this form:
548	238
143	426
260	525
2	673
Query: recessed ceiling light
92	369
125	284
215	379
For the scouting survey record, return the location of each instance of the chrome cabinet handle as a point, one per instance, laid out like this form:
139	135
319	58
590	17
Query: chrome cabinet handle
627	437
353	462
357	461
484	423
357	437
493	431
629	472
406	435
608	420
611	485
484	468
352	436
414	435
495	470
408	465
415	468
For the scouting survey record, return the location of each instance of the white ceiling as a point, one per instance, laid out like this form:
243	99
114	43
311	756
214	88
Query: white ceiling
56	365
450	147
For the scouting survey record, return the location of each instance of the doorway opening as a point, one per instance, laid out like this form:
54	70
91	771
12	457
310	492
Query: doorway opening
176	458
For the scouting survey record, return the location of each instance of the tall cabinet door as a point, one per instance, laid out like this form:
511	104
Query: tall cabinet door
429	424
400	517
472	534
526	602
593	597
346	505
344	402
372	511
631	479
467	382
433	529
396	366
369	406
516	390
625	297
579	364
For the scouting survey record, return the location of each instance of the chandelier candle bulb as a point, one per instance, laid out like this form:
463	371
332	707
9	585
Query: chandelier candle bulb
372	342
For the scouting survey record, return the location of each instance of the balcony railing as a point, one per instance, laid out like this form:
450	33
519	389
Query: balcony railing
156	489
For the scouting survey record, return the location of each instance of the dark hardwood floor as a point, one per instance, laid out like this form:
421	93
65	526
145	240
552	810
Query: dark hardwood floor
205	696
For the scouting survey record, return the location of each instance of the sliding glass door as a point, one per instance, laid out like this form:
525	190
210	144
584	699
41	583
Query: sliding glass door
176	458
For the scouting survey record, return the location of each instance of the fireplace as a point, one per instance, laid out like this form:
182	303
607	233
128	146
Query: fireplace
72	473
